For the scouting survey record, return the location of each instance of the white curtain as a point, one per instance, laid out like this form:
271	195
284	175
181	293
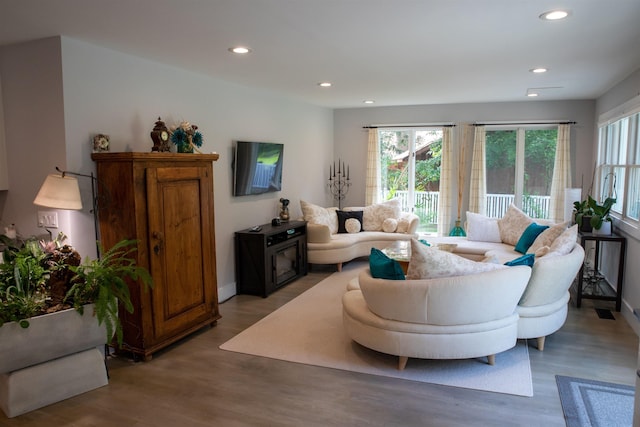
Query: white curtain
561	174
445	205
478	184
372	184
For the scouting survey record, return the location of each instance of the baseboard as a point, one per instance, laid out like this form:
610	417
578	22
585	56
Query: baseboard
226	291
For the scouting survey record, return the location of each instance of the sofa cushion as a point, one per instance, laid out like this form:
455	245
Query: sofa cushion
343	216
512	225
565	242
390	225
374	215
429	263
481	228
547	237
529	236
527	260
383	267
315	214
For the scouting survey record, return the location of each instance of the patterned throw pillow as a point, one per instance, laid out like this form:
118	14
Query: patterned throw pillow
344	216
389	225
374	215
429	263
512	225
547	237
565	242
403	225
352	225
315	214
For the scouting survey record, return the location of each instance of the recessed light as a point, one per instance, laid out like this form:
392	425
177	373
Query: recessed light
554	15
240	50
538	70
324	84
532	94
369	101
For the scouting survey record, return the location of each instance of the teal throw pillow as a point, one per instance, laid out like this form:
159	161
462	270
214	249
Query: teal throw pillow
529	236
383	267
523	260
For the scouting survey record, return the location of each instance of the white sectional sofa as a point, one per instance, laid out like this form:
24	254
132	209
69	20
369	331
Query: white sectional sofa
540	308
336	236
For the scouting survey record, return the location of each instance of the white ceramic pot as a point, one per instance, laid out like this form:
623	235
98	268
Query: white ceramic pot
604	230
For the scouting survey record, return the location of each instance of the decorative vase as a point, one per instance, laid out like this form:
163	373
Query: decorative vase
185	148
604	230
457	230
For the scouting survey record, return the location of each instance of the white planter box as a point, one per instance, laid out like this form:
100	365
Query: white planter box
58	356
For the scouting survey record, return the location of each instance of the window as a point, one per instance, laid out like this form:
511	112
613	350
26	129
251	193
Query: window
519	170
617	172
410	166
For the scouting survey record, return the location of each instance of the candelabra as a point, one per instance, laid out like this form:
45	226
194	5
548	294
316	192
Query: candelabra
339	181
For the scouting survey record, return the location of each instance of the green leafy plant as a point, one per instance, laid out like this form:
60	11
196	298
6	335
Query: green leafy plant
103	282
580	210
600	212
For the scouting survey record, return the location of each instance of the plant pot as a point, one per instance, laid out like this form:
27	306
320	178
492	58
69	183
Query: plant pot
585	226
604	230
58	356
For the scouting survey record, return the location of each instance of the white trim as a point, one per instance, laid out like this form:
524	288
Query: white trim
629	108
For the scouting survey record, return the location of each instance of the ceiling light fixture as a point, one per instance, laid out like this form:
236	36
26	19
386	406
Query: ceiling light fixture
554	15
324	84
538	70
532	94
369	101
240	50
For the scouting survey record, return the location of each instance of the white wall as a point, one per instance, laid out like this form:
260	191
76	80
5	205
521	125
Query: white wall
616	96
121	95
351	139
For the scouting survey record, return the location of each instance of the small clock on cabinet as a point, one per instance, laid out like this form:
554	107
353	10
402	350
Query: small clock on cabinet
160	137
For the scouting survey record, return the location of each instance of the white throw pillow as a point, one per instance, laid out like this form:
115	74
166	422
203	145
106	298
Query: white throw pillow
403	225
481	228
547	237
428	262
374	215
512	225
389	225
315	214
352	225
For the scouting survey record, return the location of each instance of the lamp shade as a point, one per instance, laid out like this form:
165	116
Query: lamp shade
59	192
571	195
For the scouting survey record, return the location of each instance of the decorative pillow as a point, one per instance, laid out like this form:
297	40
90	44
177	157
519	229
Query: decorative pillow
512	225
547	237
389	225
344	216
565	242
527	259
540	252
481	228
352	225
403	225
315	214
383	267
374	215
529	236
430	263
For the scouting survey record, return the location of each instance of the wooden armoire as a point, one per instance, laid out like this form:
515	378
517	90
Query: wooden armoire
165	202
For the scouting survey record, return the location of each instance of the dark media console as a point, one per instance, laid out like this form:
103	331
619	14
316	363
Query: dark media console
268	257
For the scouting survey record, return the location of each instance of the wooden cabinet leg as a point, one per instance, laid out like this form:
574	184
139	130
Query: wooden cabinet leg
491	359
402	362
541	343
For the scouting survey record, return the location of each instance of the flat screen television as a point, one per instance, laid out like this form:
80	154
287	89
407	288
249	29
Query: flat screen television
257	167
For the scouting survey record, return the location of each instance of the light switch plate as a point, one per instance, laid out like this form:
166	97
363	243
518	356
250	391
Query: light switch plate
48	219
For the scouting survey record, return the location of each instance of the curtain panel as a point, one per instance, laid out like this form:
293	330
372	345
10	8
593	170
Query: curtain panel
372	184
561	174
445	205
478	184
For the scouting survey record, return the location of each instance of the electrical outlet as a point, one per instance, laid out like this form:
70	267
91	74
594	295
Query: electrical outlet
48	219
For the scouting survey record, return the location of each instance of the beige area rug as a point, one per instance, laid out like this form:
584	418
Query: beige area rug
309	330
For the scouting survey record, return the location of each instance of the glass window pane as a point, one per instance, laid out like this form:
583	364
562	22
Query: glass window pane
539	152
633	199
500	152
394	146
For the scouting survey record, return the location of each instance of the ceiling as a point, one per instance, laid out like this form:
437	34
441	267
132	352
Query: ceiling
396	52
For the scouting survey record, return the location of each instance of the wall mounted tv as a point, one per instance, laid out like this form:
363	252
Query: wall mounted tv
257	167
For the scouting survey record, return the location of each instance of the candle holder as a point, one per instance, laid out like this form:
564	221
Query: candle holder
339	181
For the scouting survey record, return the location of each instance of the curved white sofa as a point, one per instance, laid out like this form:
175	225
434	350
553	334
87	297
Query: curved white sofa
445	318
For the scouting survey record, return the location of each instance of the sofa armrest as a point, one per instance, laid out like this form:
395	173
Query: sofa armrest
318	233
414	221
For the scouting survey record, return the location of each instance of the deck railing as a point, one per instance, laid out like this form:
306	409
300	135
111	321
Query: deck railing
426	205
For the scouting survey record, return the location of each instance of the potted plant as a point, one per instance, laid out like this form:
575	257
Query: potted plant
600	219
56	314
582	215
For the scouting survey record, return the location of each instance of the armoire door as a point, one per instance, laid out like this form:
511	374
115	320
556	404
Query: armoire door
180	247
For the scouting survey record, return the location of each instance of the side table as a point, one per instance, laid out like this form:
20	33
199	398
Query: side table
591	283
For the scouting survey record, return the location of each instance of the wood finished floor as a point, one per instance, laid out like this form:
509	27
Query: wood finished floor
193	383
